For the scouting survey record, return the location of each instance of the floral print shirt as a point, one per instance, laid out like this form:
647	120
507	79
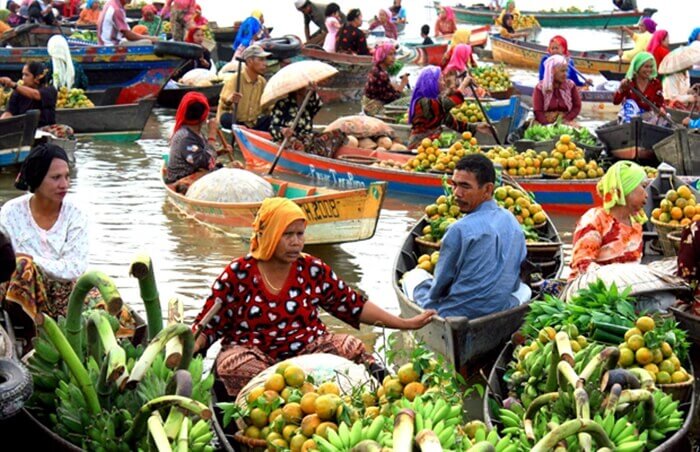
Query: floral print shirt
284	112
378	86
352	40
278	324
601	238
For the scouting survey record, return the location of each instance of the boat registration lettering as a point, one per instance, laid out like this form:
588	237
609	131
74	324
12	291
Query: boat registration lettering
333	178
321	210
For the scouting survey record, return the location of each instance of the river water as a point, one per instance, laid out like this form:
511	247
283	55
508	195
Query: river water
118	184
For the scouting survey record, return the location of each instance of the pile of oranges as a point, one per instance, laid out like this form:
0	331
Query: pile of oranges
431	157
678	208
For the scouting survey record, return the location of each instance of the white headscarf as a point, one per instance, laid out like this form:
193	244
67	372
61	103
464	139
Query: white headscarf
63	70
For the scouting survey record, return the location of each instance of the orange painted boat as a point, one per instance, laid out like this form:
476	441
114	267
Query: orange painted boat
334	216
528	54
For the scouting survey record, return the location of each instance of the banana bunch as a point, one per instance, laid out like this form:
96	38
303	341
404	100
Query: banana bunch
622	432
348	437
668	417
4	97
523	21
85	35
479	433
438	416
72	98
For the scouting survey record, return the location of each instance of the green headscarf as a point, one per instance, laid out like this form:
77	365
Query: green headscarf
4	14
619	181
637	62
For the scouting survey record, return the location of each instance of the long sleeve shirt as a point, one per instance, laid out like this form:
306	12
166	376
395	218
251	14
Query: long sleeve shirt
62	251
431	114
284	112
479	266
556	104
641	42
654	92
189	152
694	123
378	86
278	324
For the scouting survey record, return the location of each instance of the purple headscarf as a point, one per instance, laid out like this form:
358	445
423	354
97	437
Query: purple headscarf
649	24
428	86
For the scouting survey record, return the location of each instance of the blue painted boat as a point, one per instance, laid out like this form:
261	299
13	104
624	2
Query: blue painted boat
16	137
141	71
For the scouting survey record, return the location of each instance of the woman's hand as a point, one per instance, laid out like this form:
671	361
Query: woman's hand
686	121
287	132
200	343
419	321
625	84
483	127
6	81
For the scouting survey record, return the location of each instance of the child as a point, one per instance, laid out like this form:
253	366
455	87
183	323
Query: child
425	34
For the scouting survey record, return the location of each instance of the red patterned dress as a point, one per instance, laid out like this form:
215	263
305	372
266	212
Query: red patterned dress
689	261
260	328
601	238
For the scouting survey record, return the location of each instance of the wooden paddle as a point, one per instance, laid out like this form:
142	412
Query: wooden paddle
622	40
656	109
293	127
483	112
207	317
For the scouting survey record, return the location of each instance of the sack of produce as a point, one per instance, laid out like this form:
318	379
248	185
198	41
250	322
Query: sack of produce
230	185
361	126
196	76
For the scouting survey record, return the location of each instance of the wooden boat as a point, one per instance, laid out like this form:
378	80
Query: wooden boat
506	115
352	169
679	115
433	53
614	74
681	150
633	140
140	71
116	122
170	98
587	95
480	14
334	216
529	54
16	137
459	339
497	383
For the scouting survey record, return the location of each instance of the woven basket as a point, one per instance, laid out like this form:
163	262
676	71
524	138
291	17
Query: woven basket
675	238
679	391
249	444
663	229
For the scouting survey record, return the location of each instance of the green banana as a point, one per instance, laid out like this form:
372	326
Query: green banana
375	428
355	433
334	439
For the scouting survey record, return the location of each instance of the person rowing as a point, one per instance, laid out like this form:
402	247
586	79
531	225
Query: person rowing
271	302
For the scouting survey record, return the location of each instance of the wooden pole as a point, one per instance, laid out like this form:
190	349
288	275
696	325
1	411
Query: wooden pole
294	126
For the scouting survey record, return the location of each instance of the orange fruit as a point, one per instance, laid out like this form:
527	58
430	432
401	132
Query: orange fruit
296	443
645	323
307	402
407	374
672	195
292	413
322	429
689	211
413	389
254	394
309	424
657	212
685	221
644	356
676	213
565	139
635	342
309	445
258	417
684	192
326	405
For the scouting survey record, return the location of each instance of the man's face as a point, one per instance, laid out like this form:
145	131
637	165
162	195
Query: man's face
468	194
257	64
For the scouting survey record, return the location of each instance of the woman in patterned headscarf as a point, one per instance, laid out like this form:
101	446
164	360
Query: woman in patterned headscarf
555	95
612	233
271	299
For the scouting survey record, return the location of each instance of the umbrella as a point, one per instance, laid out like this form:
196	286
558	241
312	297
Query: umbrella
680	59
294	77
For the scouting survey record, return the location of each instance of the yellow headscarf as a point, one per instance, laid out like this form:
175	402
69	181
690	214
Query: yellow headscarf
619	181
257	14
461	36
274	216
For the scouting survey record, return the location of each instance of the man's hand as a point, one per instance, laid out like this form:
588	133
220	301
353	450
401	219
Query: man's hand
420	320
234	98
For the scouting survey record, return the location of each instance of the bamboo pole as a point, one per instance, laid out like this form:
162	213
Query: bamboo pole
142	269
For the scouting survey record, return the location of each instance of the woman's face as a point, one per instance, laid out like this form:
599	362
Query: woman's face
390	58
382	16
148	16
560	73
637	198
665	42
28	78
56	182
511	7
555	48
358	21
292	242
508	21
443	14
198	37
646	69
442	84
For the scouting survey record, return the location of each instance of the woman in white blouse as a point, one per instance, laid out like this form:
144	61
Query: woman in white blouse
48	232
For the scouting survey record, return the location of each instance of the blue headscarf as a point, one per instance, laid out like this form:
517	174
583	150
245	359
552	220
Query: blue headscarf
89	3
694	35
428	86
249	28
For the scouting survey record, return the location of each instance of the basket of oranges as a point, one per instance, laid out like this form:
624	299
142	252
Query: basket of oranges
677	210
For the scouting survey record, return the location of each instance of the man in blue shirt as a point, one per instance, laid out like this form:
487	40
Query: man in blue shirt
479	268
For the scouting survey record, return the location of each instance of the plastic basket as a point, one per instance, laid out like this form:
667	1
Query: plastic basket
663	229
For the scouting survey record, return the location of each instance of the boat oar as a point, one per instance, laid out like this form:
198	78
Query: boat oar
227	147
656	109
483	112
207	317
622	40
293	127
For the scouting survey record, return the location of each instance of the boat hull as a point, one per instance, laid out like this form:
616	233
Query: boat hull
333	216
528	55
117	122
555	195
633	140
689	322
138	70
170	98
16	137
681	150
483	15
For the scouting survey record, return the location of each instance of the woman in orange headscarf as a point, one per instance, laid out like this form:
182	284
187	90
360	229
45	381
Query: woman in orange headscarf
270	303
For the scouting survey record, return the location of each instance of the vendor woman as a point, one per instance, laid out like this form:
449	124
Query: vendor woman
612	233
555	95
33	94
689	261
641	75
272	300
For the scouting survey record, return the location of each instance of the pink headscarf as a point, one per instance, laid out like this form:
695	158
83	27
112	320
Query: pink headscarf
547	82
656	40
449	13
460	59
381	51
388	14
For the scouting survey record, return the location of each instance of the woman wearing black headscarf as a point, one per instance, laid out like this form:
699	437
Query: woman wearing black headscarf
48	232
